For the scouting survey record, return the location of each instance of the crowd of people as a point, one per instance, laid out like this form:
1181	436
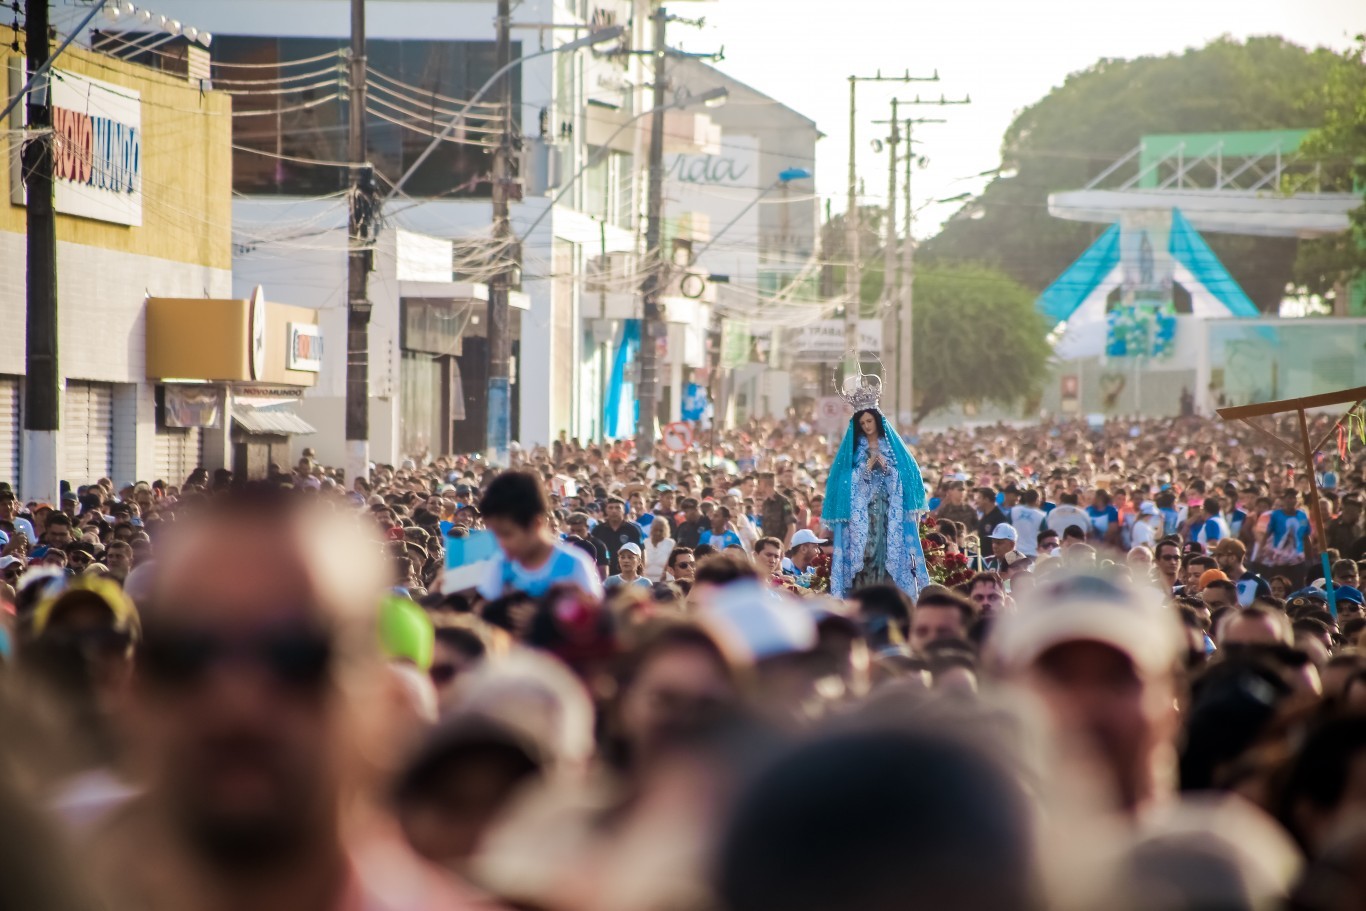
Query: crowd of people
602	679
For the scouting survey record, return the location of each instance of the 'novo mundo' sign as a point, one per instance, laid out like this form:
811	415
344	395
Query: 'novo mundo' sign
97	148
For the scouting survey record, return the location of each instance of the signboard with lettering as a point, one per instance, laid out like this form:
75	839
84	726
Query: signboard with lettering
98	148
305	351
824	341
723	187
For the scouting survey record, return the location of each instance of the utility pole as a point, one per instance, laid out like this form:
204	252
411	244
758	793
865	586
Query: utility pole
853	276
905	360
891	314
905	378
360	231
43	383
500	346
654	259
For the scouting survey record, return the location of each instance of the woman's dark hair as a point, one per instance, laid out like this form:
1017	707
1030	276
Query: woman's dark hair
877	416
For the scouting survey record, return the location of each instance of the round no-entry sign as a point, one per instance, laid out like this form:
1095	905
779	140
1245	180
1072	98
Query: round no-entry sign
677	437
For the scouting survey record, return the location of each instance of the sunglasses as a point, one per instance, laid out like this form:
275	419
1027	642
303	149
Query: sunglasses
295	657
688	565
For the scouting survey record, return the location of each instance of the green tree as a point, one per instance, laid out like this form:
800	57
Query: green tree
978	338
1326	265
1097	116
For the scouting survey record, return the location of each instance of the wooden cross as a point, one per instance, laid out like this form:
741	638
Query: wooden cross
1304	450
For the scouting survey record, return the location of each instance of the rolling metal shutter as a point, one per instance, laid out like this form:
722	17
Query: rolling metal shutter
88	432
9	430
178	453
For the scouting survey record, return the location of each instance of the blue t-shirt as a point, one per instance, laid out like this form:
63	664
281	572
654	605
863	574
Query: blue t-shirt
726	539
1208	531
1286	531
1102	519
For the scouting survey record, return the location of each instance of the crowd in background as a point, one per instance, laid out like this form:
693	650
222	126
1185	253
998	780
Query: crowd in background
1139	692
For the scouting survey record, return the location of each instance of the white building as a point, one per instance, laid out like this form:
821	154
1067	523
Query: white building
143	217
424	58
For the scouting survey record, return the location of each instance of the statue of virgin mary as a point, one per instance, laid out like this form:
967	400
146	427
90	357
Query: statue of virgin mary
874	500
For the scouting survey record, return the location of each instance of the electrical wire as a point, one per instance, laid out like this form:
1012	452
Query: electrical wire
291	109
339	52
401	87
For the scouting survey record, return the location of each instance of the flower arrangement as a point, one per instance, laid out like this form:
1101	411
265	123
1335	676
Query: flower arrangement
944	568
820	578
816	581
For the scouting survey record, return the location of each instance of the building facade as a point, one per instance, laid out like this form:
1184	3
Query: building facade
143	210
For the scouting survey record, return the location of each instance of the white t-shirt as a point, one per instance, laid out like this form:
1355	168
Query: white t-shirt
1065	515
1028	522
1146	530
567	565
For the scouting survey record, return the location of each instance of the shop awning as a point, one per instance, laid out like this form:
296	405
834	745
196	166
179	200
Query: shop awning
270	421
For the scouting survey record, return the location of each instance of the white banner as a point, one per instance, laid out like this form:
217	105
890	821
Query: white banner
98	133
824	340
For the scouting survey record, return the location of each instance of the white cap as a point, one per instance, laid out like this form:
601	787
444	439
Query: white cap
754	621
1090	608
630	547
734	492
806	536
1148	508
1004	532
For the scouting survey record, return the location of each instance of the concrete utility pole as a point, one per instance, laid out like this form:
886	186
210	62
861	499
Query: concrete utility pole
500	285
905	343
360	255
43	383
890	276
853	276
652	287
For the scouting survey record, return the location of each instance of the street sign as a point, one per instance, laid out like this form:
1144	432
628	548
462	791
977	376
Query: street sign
832	413
677	437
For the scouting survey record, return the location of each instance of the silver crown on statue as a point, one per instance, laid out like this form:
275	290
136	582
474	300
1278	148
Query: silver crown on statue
862	391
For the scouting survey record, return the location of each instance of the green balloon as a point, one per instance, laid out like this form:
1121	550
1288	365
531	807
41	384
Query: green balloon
406	632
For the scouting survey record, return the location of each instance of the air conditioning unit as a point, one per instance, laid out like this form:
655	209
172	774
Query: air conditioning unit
612	271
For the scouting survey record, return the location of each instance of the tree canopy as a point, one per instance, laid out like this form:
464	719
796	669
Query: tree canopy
1325	265
1098	115
978	338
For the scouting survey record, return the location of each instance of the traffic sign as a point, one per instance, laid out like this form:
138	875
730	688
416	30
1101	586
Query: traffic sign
677	437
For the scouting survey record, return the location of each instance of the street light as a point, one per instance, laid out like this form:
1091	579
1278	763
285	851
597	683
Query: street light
598	36
711	98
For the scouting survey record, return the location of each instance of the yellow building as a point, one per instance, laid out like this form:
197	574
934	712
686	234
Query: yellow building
144	186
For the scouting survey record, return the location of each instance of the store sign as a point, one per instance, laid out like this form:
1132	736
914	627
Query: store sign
256	327
825	340
193	406
305	351
98	147
250	393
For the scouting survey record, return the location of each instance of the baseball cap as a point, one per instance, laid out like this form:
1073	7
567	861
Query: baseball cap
1148	508
1085	607
806	536
84	591
1348	593
753	622
1212	575
630	547
1004	532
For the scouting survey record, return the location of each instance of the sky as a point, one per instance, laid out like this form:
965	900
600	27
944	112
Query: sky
1004	54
